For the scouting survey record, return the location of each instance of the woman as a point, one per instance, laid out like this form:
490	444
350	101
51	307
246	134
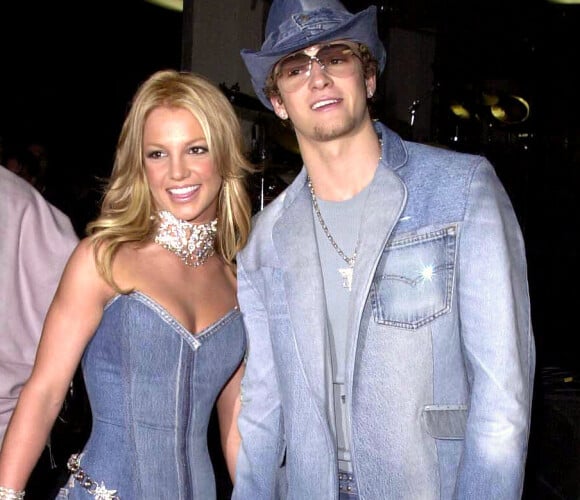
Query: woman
148	301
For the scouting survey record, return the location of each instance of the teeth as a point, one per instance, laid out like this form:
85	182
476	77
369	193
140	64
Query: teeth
183	190
319	104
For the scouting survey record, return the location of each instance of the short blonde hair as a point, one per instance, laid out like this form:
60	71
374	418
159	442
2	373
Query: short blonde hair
127	207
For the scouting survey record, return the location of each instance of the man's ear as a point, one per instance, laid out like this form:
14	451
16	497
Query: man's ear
279	107
371	85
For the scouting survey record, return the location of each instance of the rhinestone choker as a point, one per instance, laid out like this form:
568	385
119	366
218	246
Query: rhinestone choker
192	243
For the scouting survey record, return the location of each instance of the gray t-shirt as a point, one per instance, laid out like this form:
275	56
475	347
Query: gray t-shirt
343	220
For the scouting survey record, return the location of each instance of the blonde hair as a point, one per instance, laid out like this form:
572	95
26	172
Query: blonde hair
127	207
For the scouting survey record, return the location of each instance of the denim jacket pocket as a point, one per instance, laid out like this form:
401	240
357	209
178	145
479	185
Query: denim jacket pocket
413	284
445	421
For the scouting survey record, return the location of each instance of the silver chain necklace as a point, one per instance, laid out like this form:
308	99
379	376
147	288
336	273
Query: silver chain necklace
345	272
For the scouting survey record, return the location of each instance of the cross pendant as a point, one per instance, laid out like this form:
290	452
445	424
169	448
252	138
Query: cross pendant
346	273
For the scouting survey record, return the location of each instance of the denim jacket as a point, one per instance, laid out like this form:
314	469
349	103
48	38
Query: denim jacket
441	358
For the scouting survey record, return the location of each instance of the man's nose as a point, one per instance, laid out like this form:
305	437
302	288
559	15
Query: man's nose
317	73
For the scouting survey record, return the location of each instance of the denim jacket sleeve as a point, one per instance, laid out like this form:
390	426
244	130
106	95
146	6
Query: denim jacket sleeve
499	351
260	420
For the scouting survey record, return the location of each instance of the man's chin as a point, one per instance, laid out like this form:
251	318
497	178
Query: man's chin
329	131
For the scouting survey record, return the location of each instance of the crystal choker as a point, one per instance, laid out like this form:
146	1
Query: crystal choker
192	243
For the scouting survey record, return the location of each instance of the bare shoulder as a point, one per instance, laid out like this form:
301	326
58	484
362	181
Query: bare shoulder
73	317
81	275
83	253
135	263
82	264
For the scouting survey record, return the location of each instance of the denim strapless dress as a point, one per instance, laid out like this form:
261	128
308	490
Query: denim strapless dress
152	386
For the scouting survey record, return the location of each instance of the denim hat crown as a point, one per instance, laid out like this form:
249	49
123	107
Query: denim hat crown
296	24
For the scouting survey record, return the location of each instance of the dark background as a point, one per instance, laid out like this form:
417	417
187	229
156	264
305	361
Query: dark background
68	70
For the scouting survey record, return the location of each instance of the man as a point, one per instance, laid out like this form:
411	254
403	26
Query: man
384	293
36	240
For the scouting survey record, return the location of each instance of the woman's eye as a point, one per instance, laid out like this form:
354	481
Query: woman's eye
198	150
155	154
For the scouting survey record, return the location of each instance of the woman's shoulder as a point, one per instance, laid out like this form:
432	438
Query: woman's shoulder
137	263
83	255
81	271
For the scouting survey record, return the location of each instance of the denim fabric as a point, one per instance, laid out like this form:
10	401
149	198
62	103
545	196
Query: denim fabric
297	24
441	360
414	285
152	386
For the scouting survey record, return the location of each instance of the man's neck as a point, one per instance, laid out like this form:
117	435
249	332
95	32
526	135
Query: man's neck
342	167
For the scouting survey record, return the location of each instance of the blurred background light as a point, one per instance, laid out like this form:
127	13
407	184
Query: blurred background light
176	5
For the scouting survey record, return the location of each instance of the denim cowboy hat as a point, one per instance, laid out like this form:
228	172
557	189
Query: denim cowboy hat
296	24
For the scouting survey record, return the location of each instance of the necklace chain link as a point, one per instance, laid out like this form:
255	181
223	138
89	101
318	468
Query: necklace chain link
349	260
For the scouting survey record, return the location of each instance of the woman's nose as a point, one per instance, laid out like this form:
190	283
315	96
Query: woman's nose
178	169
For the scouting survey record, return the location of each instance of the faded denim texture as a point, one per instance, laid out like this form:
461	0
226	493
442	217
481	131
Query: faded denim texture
152	386
441	358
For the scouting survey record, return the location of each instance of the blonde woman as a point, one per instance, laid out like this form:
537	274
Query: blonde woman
147	303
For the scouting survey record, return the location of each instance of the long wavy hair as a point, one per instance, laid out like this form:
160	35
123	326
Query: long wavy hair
127	209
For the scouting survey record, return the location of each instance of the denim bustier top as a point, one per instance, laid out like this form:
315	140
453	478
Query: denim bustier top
152	386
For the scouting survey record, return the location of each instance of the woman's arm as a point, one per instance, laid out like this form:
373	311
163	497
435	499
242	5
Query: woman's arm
71	320
228	407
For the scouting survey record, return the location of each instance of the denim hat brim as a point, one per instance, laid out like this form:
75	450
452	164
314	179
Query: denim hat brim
304	30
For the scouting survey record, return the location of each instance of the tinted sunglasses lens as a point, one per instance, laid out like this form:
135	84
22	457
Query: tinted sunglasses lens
338	60
294	67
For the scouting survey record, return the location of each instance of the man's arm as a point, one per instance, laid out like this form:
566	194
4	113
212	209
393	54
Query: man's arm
259	421
497	341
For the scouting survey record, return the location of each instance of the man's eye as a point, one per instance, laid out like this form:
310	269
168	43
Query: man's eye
296	70
338	58
295	66
336	55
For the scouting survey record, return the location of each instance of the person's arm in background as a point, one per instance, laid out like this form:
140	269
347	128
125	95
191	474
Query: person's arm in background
36	240
260	419
70	323
497	340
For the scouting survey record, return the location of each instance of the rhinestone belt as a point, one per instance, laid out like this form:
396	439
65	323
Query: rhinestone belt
99	491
